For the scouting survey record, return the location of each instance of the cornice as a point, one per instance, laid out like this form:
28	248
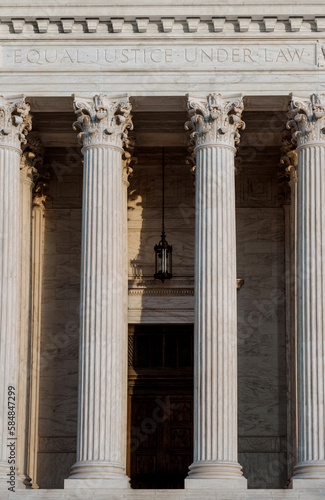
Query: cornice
43	25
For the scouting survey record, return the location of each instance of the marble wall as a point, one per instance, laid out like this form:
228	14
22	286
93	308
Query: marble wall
261	307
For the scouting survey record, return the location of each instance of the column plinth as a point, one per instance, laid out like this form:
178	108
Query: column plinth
15	122
214	125
309	124
101	451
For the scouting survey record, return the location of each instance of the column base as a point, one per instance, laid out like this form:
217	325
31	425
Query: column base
24	482
215	474
309	474
97	475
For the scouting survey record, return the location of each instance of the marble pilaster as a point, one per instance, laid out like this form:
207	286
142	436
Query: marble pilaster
214	125
308	122
38	211
101	449
15	122
30	159
289	164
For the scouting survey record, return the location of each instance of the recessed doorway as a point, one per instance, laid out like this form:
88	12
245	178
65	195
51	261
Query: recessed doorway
160	405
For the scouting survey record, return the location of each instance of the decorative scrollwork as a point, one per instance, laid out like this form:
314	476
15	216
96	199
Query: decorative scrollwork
102	120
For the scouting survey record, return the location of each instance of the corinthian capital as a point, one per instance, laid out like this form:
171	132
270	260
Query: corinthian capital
308	119
214	120
15	121
103	121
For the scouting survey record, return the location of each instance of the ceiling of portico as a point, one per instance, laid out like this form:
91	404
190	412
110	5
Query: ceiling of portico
160	122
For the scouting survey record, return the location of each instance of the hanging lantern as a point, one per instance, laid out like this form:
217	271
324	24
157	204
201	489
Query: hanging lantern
163	251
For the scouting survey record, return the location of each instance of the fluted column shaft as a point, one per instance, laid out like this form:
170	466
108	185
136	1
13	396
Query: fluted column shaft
215	363
11	135
309	120
9	292
100	436
311	302
101	452
215	307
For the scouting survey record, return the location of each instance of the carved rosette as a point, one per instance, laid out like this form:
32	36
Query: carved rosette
307	119
15	122
214	121
128	160
103	121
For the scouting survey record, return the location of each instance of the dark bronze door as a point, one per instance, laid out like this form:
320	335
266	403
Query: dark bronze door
160	405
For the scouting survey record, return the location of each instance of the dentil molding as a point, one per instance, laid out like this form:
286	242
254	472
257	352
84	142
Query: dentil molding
159	24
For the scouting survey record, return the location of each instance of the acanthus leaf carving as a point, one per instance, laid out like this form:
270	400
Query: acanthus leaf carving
128	160
307	119
289	159
102	120
31	160
191	160
40	196
15	121
288	173
214	120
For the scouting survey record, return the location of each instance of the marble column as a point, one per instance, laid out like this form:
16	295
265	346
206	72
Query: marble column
15	122
214	125
308	122
101	450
